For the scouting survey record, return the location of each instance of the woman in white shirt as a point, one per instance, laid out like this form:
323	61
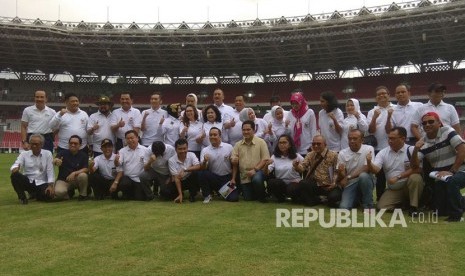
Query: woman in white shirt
277	126
260	124
171	125
286	178
354	120
191	129
330	120
212	118
302	123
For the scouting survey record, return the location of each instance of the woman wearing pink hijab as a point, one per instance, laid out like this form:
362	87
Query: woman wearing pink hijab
302	123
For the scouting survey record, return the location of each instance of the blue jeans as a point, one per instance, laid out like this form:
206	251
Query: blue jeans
362	189
255	189
454	197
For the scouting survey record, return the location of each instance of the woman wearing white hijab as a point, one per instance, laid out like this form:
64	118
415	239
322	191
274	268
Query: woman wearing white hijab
260	124
277	126
354	120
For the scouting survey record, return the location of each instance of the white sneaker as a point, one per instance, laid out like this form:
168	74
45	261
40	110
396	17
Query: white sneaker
207	199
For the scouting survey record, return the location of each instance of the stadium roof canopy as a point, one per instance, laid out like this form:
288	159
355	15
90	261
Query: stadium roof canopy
416	32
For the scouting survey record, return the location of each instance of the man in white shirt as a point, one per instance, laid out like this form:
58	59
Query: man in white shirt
183	167
215	166
152	121
70	121
131	161
447	112
353	174
102	170
402	113
99	127
377	118
218	101
37	171
405	184
233	125
36	120
156	170
124	119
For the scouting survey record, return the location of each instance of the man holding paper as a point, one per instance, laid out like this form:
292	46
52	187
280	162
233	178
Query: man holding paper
216	167
404	181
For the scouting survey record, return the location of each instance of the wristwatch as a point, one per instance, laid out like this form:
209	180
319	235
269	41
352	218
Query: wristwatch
349	177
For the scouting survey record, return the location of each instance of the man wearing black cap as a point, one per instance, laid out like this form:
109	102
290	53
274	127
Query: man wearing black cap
102	170
99	127
447	112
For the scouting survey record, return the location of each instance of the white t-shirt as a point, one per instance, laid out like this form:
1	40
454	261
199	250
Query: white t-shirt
328	129
380	133
219	157
354	160
38	120
132	118
284	170
152	125
132	161
103	132
70	124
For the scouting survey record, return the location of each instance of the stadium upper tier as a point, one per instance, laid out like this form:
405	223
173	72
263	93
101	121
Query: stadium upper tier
416	32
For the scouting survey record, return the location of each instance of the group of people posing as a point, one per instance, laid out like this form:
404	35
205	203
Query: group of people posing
341	161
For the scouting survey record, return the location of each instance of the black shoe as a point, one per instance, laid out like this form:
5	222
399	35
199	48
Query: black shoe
82	198
412	211
263	200
192	198
23	201
454	219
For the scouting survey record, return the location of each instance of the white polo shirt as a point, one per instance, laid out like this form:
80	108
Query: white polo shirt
328	129
284	170
161	163
132	161
193	131
349	123
176	166
393	163
38	168
235	133
219	158
152	125
207	126
103	132
403	116
308	121
132	118
380	133
354	160
38	120
70	124
170	130
106	167
447	113
226	112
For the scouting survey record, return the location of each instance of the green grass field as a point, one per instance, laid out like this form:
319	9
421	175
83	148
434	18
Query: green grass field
147	238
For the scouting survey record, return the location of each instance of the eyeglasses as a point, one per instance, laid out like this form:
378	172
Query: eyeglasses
429	122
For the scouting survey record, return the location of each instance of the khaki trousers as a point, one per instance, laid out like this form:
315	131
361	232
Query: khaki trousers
410	194
62	187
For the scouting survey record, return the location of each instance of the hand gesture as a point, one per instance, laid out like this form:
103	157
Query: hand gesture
153	158
269	129
287	122
146	113
419	144
232	123
332	116
162	120
295	163
58	161
63	111
269	161
121	123
390	111
117	160
376	113
369	157
96	126
206	157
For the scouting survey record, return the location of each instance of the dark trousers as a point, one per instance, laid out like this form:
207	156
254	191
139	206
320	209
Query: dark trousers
380	182
152	178
21	185
311	194
213	182
48	141
100	185
255	189
169	191
279	189
130	189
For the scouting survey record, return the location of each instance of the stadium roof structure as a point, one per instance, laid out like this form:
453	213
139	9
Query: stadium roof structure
417	33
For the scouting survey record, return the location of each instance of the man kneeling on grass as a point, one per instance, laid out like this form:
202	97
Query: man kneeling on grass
183	167
103	170
37	171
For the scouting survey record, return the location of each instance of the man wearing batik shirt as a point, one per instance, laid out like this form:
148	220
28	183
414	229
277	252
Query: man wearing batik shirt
445	151
320	168
37	171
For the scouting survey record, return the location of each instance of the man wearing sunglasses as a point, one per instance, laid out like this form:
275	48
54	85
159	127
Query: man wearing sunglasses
443	147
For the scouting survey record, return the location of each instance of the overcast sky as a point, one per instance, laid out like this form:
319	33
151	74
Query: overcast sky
174	11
